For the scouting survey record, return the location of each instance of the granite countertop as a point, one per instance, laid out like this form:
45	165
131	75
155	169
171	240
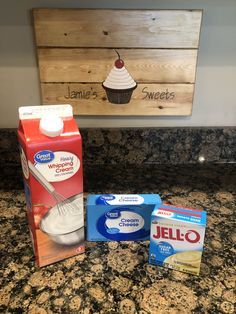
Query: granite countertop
116	277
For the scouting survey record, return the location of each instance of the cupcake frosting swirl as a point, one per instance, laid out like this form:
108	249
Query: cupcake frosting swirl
119	79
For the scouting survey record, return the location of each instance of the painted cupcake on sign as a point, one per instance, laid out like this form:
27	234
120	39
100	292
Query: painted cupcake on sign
119	84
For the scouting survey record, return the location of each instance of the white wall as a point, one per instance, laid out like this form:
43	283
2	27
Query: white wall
215	98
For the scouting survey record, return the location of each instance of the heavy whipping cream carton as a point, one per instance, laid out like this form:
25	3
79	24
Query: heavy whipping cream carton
51	158
120	217
177	238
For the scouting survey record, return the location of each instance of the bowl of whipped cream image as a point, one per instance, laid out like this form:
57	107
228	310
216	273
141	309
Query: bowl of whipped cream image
65	227
119	84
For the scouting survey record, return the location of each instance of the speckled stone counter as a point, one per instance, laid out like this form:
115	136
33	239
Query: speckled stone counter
116	277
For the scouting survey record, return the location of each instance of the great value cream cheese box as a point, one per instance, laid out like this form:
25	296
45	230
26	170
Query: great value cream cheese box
120	217
177	238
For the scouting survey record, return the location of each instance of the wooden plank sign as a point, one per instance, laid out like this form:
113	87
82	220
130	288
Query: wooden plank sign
118	62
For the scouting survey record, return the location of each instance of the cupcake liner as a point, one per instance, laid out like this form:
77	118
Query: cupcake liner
119	96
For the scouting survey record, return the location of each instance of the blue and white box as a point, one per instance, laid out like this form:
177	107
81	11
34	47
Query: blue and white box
120	217
177	238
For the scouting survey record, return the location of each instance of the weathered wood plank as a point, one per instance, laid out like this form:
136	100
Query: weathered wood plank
147	99
75	54
117	28
93	65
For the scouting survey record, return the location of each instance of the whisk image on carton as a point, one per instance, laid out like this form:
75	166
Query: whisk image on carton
51	158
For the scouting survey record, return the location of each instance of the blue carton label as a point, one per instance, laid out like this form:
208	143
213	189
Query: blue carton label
120	217
122	224
120	199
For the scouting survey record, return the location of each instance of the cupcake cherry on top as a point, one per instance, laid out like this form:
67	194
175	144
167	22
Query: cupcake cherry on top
119	84
119	63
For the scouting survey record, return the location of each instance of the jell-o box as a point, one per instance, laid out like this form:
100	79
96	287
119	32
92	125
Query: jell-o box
177	238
